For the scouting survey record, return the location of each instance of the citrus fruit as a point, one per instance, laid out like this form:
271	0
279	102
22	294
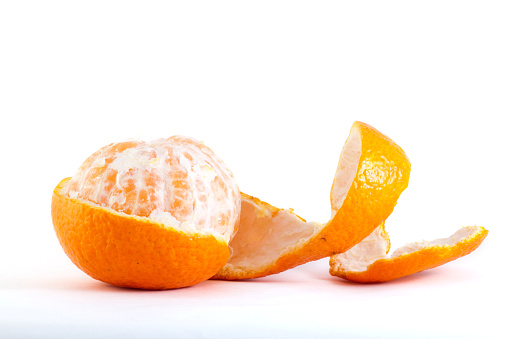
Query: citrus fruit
150	215
369	262
372	173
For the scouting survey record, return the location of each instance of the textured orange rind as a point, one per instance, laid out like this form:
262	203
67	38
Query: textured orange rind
131	251
423	258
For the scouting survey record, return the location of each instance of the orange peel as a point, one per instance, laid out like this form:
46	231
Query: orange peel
369	262
372	173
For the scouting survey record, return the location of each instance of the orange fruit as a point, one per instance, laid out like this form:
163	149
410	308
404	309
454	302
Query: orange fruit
154	215
372	172
368	262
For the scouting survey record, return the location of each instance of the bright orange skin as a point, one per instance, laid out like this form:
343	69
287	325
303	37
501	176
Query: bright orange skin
389	269
382	175
129	251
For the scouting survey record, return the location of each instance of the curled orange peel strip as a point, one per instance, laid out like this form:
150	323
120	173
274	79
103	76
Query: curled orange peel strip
372	173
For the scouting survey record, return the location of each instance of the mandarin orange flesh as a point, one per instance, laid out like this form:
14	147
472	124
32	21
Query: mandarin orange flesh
153	215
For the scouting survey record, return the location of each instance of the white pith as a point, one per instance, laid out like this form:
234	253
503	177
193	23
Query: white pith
461	234
347	169
374	247
205	170
264	235
360	256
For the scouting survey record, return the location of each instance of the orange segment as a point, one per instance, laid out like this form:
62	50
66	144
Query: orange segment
152	215
368	262
371	174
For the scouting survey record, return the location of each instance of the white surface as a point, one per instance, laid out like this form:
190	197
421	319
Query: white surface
273	88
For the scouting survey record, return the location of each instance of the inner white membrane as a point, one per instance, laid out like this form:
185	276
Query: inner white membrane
346	171
266	233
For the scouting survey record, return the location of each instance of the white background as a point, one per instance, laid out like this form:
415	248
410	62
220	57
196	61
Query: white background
273	88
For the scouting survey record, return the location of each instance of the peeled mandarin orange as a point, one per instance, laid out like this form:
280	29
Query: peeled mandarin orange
154	215
369	262
372	173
